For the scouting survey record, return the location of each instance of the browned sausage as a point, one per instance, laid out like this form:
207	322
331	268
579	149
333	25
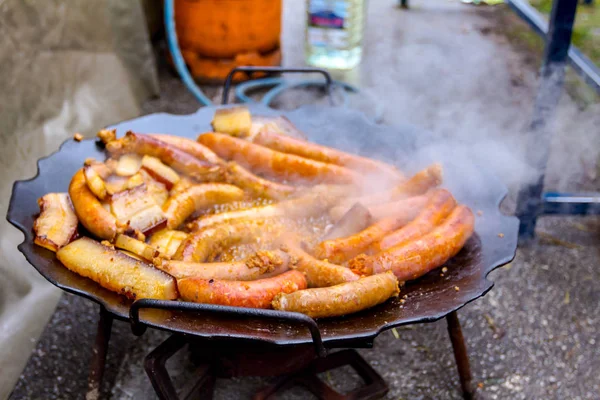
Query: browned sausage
252	294
260	265
440	204
313	151
262	160
342	299
184	203
318	273
312	203
190	146
340	250
90	212
170	155
420	183
414	259
410	208
257	186
199	246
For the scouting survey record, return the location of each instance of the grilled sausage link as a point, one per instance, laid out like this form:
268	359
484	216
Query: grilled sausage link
342	249
318	273
257	186
262	160
312	203
439	206
252	294
313	151
342	299
190	146
409	207
414	259
184	203
90	212
418	184
262	264
199	246
170	155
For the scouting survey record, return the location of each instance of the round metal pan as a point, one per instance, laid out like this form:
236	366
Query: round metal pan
428	299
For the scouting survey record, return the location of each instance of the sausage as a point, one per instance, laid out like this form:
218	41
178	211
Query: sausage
95	218
184	203
170	155
318	273
409	207
257	186
342	249
252	294
440	204
262	264
355	220
313	151
262	160
414	259
312	203
418	184
342	299
202	244
190	146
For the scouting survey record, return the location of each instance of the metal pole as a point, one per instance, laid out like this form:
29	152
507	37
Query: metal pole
558	40
460	355
99	354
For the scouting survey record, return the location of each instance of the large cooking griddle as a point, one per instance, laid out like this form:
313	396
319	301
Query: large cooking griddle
428	299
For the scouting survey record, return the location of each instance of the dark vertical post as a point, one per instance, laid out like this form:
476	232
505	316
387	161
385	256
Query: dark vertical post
99	354
404	3
460	355
552	77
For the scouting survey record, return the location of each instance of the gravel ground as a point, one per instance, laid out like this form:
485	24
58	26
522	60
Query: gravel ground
534	336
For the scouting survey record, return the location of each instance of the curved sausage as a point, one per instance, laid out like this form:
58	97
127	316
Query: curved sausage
201	245
190	146
318	273
262	264
263	160
252	294
256	185
89	210
342	299
414	259
440	204
313	151
409	207
313	203
168	154
184	203
419	183
342	249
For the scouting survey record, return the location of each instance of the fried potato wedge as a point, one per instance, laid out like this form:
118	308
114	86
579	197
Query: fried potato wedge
136	208
95	182
128	165
160	171
116	271
235	121
136	247
167	241
57	222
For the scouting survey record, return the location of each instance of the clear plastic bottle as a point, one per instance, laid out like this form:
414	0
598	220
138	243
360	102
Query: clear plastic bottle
334	33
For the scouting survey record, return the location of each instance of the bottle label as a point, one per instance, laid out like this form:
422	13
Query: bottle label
327	21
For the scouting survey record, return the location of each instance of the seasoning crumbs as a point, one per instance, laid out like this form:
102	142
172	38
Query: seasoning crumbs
479	213
501	235
444	269
456	288
78	137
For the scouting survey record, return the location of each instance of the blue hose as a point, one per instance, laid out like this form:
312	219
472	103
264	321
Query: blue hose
278	84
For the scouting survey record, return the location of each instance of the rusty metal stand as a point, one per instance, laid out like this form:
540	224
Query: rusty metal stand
99	354
460	355
375	387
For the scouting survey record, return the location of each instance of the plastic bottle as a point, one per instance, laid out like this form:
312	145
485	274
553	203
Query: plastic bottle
334	33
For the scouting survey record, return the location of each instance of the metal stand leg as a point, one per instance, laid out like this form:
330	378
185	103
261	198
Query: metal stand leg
529	202
99	354
404	3
460	355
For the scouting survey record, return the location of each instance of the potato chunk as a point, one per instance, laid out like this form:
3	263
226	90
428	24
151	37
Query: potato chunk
235	121
116	271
